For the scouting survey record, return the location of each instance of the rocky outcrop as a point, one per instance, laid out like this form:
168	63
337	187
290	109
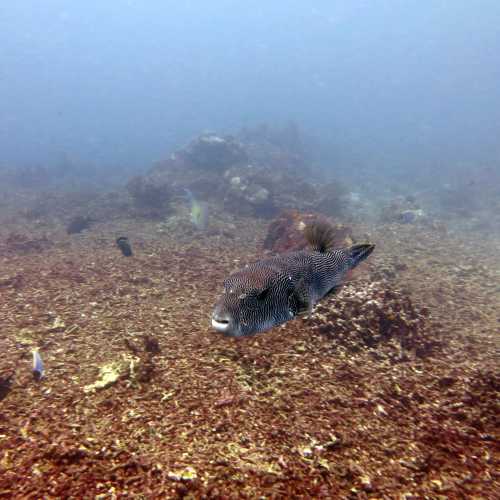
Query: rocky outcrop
286	232
257	175
215	152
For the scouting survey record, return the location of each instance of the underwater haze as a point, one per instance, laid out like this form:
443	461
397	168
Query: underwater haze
377	83
249	249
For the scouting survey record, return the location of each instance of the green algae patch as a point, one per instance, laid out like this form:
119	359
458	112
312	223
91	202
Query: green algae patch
108	375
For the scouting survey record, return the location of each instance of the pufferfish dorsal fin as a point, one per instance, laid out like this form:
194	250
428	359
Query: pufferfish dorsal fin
299	300
321	236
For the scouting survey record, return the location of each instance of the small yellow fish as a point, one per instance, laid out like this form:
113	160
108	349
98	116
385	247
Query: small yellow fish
199	215
199	211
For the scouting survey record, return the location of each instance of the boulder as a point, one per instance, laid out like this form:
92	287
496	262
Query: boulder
286	232
215	152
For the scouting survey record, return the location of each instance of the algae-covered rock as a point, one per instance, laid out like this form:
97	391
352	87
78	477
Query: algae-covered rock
58	325
108	375
286	232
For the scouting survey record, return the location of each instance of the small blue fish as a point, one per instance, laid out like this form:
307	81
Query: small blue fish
38	369
409	216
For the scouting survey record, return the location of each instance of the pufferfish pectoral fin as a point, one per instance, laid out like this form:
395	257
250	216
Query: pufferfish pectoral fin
332	290
299	300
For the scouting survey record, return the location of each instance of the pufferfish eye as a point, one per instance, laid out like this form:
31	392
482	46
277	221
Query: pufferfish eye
262	294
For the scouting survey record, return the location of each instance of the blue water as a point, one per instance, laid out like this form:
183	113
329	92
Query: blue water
397	86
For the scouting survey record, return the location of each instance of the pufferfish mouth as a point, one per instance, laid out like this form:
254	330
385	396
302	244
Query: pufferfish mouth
226	325
221	324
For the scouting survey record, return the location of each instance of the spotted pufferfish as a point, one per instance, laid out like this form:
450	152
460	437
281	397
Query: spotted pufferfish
272	291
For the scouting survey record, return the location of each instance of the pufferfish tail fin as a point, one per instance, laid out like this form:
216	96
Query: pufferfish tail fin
321	236
358	253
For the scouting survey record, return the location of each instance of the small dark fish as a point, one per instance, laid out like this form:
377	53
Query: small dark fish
151	344
124	246
5	385
276	290
38	368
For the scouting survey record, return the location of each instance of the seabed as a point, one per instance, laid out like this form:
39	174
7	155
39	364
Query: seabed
293	412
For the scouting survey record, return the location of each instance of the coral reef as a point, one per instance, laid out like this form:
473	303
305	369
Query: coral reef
249	192
256	176
374	314
389	389
393	403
